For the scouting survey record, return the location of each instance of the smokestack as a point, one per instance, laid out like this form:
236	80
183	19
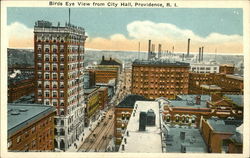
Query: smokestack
202	53
69	15
159	51
199	54
153	48
149	49
188	47
183	57
173	49
149	46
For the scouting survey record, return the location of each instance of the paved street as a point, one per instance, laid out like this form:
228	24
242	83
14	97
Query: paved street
100	137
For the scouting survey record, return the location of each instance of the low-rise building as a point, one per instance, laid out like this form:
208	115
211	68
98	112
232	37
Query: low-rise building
122	114
183	139
31	127
204	68
215	131
103	97
186	110
227	69
92	104
143	133
228	84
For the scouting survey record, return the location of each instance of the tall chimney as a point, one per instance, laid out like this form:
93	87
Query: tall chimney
188	47
173	49
202	53
159	51
183	57
199	54
153	48
149	49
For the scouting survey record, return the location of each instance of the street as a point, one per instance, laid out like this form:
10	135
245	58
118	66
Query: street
100	137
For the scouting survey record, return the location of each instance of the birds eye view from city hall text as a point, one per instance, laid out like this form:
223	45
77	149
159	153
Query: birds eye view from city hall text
125	80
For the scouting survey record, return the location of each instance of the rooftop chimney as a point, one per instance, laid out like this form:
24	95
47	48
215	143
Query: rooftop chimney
198	100
149	49
182	135
159	51
142	121
188	47
202	53
103	58
199	54
153	48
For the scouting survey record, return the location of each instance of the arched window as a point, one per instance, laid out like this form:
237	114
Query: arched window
55	144
55	131
62	145
62	132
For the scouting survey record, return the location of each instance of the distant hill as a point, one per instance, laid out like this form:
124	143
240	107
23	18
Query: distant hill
20	57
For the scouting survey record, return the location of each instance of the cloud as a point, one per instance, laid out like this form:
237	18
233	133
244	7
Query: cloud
161	31
20	36
168	35
19	30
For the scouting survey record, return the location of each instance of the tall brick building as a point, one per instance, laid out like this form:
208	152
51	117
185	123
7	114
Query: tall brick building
59	66
154	79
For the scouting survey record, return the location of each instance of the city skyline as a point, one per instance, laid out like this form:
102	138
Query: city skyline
221	30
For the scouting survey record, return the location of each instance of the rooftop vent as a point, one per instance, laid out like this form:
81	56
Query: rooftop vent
150	118
23	110
142	121
182	135
15	113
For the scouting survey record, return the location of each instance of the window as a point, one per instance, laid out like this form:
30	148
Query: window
46	76
39	93
54	76
61	94
33	129
54	103
9	144
18	140
54	94
46	94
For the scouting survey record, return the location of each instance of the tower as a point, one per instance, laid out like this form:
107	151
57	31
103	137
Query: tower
59	67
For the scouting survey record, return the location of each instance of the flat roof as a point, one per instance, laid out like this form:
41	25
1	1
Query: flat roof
148	141
90	90
190	101
219	125
129	101
237	77
237	99
161	63
20	115
193	141
212	87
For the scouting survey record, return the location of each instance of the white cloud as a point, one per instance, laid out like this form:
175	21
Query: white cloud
161	31
19	30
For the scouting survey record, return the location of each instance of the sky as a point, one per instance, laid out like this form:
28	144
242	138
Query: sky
124	28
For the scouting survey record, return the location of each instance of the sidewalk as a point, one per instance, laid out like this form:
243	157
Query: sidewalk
82	138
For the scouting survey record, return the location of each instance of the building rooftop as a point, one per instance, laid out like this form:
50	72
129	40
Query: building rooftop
90	90
46	26
190	101
191	142
27	99
129	101
21	115
237	77
161	63
110	61
219	125
210	87
237	99
148	141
